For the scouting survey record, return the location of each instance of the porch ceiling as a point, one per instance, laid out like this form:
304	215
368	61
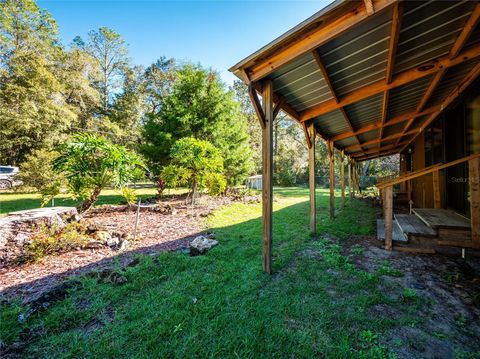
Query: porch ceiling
371	75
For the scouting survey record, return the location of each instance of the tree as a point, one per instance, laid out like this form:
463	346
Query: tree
91	162
33	110
199	106
196	163
111	54
240	91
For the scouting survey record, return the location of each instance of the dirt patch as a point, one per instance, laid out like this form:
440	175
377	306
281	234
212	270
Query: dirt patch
156	232
446	291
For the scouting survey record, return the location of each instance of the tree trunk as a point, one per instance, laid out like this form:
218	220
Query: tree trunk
87	204
194	190
160	186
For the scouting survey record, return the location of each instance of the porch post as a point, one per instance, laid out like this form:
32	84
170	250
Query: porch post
342	178
436	190
332	178
388	216
311	133
267	174
350	172
474	180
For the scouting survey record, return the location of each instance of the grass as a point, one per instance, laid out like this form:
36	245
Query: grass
316	304
17	201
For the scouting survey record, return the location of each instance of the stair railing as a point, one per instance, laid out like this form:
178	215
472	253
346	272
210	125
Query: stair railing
386	190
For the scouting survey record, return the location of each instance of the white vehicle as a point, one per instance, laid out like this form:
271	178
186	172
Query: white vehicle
7	177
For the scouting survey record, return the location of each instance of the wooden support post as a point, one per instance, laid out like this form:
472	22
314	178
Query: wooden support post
267	174
342	177
332	178
436	190
474	180
311	132
388	216
350	187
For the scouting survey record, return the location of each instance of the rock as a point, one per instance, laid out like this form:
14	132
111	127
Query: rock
21	239
112	242
201	245
124	244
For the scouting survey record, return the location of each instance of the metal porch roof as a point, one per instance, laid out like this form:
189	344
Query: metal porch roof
371	75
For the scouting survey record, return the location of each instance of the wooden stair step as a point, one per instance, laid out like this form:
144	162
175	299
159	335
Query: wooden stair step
442	218
397	235
411	224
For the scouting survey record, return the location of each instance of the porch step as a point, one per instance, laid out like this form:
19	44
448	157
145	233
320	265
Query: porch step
442	218
397	232
410	224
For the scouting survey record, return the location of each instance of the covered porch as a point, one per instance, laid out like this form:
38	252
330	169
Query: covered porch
370	78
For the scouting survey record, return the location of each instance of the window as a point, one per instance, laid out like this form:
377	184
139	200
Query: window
4	170
434	149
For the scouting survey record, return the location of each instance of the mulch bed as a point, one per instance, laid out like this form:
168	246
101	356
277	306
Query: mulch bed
156	232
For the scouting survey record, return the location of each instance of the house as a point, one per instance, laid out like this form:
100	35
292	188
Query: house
375	78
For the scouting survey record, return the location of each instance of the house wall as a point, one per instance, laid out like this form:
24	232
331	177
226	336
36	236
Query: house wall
460	135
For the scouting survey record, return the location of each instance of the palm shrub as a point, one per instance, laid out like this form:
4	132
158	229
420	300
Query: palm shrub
196	164
90	163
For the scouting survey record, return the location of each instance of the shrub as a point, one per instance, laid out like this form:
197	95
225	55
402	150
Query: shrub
90	162
49	241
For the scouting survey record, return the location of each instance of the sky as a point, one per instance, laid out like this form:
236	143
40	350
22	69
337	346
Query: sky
216	34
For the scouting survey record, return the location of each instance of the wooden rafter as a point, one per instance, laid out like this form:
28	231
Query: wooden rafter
369	6
397	14
378	150
454	51
397	80
252	92
377	125
331	27
469	78
377	155
327	79
376	140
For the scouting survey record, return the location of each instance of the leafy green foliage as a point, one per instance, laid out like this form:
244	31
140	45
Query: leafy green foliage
50	241
37	172
197	105
197	164
91	162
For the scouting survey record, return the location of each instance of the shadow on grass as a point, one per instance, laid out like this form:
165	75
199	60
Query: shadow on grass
220	304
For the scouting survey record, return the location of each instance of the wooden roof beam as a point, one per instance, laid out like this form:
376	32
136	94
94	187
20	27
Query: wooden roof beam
397	15
469	78
400	79
378	150
330	28
371	157
323	70
388	138
377	125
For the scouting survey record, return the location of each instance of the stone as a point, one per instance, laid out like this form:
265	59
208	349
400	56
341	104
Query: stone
201	245
124	244
112	242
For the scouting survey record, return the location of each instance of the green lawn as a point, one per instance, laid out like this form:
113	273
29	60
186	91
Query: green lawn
221	304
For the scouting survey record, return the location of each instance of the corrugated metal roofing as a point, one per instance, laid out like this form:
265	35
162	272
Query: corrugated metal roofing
405	98
365	112
449	81
332	123
429	30
358	57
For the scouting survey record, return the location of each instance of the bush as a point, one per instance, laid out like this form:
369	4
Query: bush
37	172
53	241
215	183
